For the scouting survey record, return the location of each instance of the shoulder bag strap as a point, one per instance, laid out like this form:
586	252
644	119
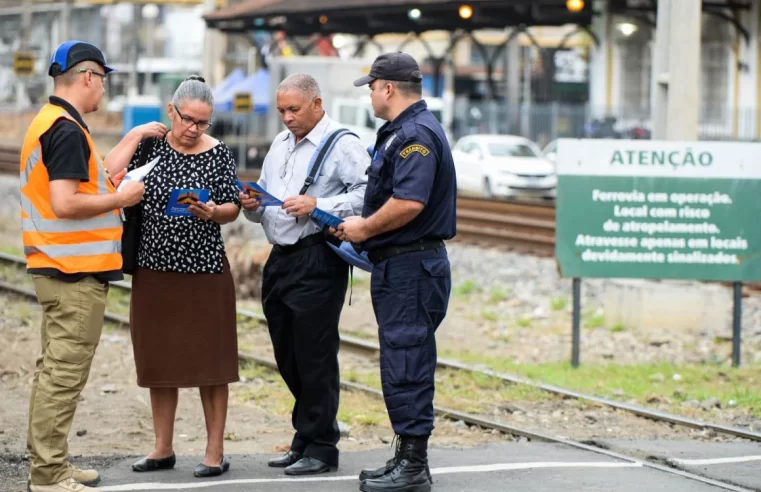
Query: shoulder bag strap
322	151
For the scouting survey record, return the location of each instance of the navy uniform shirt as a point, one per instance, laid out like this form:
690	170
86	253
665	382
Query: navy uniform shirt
413	161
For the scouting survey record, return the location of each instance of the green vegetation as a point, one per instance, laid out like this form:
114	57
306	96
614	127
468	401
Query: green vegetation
524	322
498	294
644	383
559	303
466	288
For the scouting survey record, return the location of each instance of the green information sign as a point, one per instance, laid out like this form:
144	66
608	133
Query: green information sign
659	209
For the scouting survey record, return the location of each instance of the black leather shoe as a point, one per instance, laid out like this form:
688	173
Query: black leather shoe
287	459
203	471
148	465
309	466
373	473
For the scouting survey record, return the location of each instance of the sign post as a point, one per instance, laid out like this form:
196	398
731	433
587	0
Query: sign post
243	103
23	63
659	210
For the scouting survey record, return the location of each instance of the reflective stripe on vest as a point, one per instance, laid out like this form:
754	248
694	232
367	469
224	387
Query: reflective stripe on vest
87	249
68	245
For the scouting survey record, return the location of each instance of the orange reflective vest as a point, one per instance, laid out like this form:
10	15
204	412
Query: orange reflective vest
70	246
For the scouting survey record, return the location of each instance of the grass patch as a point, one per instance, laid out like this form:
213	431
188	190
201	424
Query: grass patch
640	381
466	288
359	409
595	321
465	391
524	322
489	315
478	393
618	328
273	396
12	250
558	303
355	409
498	294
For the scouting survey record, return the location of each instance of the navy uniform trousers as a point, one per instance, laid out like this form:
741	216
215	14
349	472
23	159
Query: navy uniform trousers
410	294
303	293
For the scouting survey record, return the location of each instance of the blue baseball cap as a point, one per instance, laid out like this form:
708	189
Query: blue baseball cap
72	52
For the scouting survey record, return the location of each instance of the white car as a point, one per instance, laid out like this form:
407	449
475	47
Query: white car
551	152
503	166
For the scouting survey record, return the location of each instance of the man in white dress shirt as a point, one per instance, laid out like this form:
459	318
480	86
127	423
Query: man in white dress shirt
304	281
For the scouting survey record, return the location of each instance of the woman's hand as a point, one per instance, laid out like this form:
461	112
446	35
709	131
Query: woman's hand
204	211
153	129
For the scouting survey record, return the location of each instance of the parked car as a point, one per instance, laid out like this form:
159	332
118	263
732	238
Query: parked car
503	166
550	152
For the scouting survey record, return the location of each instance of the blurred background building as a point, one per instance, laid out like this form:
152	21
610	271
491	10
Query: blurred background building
557	76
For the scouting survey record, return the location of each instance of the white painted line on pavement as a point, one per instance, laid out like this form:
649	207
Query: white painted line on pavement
327	478
716	461
526	466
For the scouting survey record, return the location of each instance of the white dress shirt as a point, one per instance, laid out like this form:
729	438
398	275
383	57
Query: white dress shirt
339	188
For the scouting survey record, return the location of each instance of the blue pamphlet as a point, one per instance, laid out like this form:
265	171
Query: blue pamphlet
181	199
255	191
351	256
324	219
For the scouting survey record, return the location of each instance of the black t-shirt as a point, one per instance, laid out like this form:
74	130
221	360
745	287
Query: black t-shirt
66	155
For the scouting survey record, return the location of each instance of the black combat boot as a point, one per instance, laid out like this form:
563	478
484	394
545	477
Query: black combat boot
372	473
409	472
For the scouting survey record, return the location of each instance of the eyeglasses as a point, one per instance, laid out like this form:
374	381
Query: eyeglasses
201	125
85	70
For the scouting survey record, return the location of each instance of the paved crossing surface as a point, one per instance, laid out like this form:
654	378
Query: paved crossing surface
527	467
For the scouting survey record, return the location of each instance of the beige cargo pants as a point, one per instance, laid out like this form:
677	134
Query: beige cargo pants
72	321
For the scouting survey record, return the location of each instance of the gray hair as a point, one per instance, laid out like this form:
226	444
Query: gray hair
300	82
193	88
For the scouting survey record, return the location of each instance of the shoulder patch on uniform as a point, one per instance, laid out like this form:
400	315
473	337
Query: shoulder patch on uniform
414	148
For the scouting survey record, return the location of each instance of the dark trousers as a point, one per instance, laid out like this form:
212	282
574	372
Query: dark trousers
303	293
410	294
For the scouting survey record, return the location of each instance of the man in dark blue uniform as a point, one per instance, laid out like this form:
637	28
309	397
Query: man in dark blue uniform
409	211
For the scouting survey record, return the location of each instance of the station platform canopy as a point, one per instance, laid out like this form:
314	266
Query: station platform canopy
372	17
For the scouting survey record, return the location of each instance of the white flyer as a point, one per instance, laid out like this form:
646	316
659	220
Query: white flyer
140	173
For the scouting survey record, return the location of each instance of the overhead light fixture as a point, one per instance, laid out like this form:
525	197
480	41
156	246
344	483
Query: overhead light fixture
414	14
339	41
575	5
466	12
150	11
627	28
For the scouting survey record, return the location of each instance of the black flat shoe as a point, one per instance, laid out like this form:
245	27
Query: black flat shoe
203	471
309	466
148	465
287	459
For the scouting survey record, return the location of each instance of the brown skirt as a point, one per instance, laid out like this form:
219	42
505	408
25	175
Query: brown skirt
183	328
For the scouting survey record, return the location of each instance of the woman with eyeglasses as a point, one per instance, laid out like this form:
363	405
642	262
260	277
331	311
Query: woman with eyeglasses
182	312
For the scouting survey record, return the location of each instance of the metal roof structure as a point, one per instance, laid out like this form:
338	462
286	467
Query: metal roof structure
371	17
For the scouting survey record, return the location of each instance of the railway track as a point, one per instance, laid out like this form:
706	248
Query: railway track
475	420
363	346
